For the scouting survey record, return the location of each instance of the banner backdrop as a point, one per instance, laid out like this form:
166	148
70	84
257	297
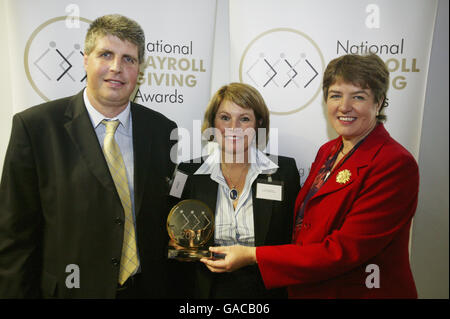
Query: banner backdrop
283	47
47	40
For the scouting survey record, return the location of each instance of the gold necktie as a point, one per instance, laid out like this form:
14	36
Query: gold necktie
129	261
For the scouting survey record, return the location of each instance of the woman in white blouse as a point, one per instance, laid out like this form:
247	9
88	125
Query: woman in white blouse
252	194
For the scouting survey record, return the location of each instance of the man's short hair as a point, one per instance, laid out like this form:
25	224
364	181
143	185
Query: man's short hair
119	26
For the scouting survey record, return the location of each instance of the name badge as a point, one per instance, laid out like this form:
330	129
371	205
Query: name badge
272	190
178	184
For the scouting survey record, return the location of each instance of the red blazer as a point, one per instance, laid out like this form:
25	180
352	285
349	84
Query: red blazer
349	226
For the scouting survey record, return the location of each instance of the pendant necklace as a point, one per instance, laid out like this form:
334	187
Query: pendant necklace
233	194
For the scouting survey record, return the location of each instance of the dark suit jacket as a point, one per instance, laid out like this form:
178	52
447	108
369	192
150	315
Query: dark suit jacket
272	219
350	225
59	205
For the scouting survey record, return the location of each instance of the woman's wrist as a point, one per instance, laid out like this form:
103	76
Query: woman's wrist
253	256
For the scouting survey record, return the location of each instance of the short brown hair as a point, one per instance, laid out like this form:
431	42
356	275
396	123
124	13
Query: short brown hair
119	26
365	71
244	95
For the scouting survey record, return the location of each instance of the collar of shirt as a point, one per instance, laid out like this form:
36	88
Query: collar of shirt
97	117
234	225
260	163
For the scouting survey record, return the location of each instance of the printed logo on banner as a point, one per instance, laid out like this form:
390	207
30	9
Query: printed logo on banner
286	66
53	58
398	64
170	69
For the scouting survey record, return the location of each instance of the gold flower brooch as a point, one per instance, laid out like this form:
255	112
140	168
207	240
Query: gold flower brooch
343	176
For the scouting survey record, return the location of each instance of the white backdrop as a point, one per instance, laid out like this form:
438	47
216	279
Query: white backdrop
46	41
430	217
282	48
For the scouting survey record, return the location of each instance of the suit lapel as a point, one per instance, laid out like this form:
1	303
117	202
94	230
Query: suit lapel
142	141
340	178
209	190
349	171
206	190
80	129
262	213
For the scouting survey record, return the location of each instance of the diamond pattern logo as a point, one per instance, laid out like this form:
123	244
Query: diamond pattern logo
53	58
285	66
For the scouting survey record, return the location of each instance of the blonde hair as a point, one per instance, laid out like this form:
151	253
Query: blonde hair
246	97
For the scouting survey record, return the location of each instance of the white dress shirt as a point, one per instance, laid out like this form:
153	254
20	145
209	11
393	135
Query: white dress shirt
235	226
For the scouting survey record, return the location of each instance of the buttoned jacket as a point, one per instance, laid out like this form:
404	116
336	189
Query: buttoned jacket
353	242
60	211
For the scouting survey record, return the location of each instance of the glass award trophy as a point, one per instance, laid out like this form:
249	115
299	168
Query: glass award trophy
190	225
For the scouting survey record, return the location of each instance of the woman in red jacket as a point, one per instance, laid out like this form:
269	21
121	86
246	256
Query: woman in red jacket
354	212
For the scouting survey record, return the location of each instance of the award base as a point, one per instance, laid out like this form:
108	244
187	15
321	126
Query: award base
187	254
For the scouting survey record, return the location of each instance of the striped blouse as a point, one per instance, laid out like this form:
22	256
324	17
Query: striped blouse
235	226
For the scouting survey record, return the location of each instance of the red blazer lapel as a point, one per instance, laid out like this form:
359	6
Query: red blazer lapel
344	176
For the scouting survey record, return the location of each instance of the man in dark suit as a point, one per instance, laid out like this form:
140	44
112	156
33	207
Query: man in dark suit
68	216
